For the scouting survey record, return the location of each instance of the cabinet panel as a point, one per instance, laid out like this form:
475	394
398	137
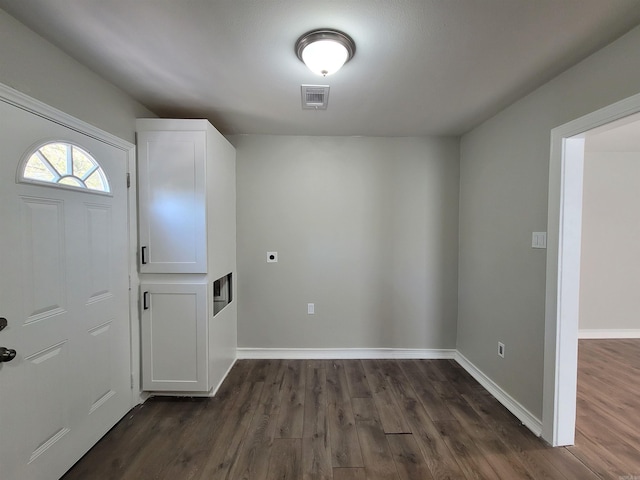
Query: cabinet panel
221	214
174	337
172	202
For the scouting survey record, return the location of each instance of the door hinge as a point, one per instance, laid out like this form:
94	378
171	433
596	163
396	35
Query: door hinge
128	180
132	380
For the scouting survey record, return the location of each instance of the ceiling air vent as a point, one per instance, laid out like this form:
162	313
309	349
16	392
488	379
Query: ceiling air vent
315	97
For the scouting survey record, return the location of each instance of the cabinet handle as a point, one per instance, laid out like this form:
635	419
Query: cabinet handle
145	301
143	255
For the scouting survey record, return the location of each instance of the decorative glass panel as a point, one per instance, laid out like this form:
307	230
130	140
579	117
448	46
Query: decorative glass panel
65	164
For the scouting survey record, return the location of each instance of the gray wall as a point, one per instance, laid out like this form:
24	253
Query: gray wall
32	65
365	228
504	171
610	253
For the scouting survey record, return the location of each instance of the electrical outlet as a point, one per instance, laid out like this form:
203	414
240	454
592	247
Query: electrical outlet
501	349
311	308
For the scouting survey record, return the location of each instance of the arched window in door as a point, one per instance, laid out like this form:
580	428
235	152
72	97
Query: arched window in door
65	165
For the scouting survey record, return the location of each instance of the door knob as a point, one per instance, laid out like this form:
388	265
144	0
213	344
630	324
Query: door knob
7	354
3	323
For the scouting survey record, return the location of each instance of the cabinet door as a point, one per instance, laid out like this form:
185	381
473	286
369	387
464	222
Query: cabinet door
172	202
174	337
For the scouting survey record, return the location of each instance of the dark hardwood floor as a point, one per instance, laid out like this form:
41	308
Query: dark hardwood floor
370	419
608	408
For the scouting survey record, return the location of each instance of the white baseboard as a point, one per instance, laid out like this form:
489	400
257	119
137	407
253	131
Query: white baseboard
343	353
525	416
609	333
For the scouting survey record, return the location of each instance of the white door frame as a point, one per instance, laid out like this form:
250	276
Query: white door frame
29	104
563	269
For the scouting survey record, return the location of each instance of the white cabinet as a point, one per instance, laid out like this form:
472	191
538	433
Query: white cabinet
174	337
187	235
172	198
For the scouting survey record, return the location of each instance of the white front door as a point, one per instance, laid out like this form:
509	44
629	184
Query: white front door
64	291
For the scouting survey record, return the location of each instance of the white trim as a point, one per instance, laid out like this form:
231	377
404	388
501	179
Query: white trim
137	395
343	353
215	389
562	281
609	333
30	104
529	420
569	239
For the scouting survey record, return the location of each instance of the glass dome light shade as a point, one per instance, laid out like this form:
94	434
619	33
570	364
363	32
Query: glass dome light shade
324	51
324	57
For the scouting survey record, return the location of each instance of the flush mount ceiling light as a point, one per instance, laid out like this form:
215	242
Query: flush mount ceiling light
324	51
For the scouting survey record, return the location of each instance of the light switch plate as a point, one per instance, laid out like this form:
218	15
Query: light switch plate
539	240
272	257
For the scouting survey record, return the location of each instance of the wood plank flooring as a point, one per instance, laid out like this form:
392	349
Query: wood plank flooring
371	419
608	408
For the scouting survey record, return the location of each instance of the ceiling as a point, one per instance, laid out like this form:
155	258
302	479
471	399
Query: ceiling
422	67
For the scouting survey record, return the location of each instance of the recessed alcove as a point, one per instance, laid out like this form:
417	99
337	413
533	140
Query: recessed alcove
222	293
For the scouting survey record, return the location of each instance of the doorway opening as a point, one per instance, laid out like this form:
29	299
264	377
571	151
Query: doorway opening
566	170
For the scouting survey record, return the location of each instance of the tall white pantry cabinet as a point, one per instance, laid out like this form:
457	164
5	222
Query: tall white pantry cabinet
187	255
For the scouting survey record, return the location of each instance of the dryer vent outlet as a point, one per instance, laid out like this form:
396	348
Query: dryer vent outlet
315	97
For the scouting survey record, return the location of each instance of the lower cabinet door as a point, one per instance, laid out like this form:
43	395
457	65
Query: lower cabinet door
174	337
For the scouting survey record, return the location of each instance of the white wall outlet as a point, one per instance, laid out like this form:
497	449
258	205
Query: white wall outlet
311	308
272	257
539	240
501	349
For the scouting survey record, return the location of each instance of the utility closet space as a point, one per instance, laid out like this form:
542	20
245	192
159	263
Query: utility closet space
187	255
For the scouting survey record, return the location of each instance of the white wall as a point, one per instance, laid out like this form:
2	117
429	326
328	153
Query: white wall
32	65
610	255
365	228
504	171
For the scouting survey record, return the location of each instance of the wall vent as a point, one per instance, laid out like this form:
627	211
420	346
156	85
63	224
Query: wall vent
315	97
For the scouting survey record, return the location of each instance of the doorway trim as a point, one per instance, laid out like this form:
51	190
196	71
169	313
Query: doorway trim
564	233
36	107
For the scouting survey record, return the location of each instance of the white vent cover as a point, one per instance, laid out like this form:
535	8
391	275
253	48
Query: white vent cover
315	97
